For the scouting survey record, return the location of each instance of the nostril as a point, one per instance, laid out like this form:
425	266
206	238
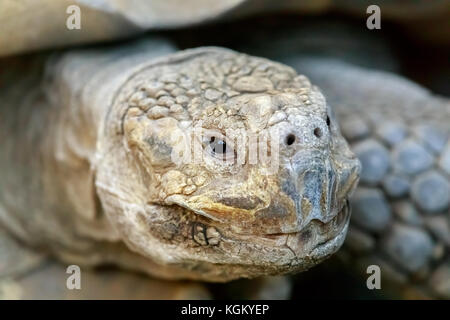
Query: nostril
290	139
318	132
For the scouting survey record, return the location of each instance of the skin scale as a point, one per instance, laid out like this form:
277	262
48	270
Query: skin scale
92	182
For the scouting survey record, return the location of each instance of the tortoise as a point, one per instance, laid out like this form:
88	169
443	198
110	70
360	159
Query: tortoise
87	136
400	217
99	182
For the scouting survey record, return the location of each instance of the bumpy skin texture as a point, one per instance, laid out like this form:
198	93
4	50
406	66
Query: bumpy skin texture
401	216
93	180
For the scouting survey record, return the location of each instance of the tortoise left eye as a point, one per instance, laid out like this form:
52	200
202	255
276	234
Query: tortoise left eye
219	148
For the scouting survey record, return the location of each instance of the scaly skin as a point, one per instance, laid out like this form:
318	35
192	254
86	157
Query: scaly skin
400	132
88	172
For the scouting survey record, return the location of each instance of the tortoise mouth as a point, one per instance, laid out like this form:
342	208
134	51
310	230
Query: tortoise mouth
274	220
338	226
212	246
316	239
333	226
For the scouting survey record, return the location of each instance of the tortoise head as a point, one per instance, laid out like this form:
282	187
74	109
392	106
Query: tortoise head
226	166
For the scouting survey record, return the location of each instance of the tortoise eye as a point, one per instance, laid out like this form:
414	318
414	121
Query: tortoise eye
219	148
328	121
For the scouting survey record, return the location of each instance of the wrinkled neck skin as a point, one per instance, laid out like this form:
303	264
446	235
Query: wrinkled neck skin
50	117
94	195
